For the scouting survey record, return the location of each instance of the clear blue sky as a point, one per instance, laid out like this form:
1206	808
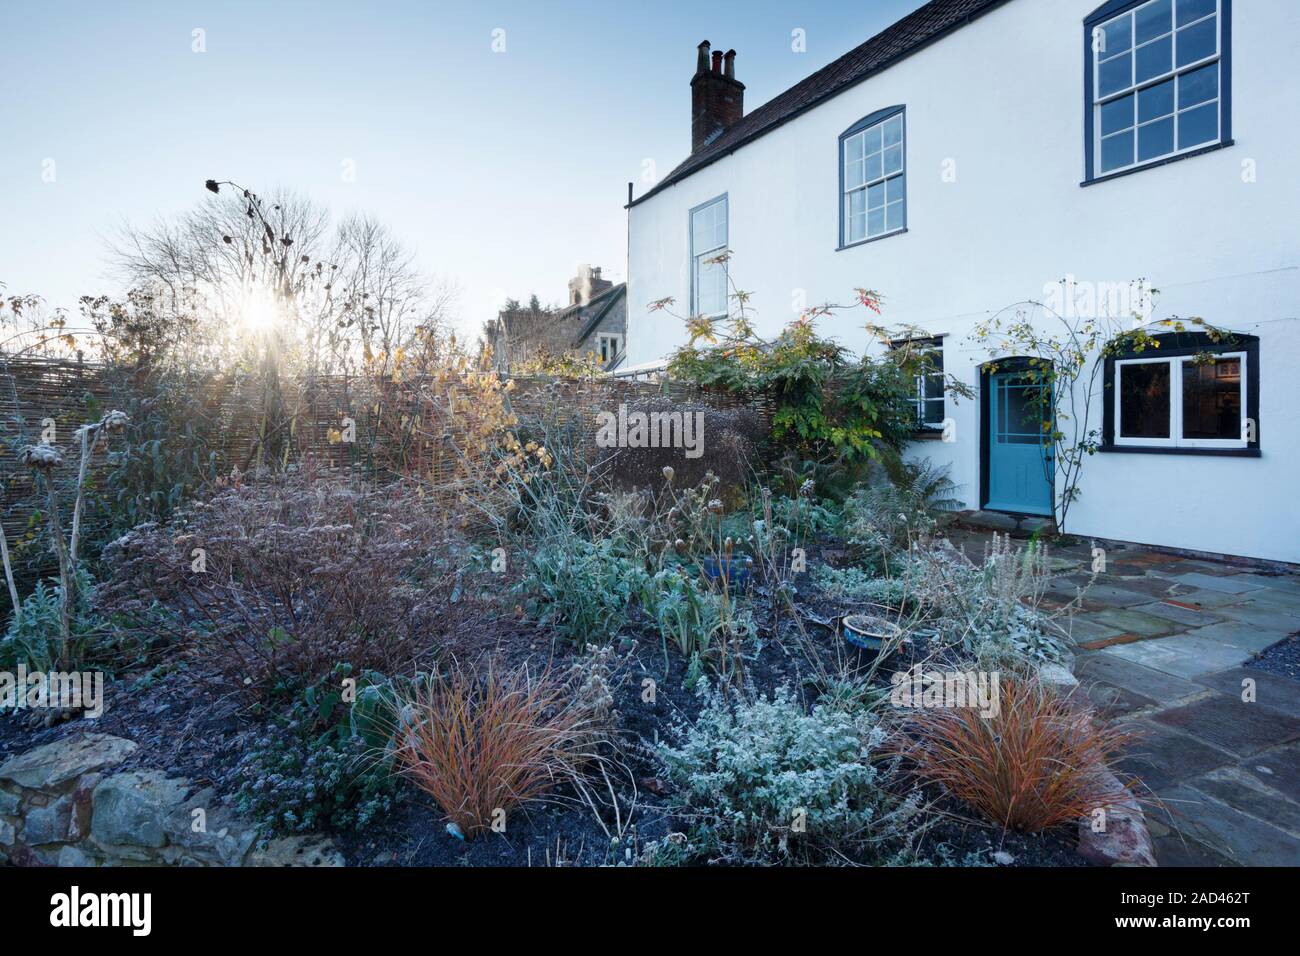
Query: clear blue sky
502	171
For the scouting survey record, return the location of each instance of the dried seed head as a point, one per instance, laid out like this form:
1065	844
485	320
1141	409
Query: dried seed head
41	457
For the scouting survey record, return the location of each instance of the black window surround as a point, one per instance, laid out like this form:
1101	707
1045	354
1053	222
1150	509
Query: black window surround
929	342
879	116
1181	345
1108	11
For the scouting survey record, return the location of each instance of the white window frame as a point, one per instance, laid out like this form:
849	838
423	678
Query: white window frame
607	342
1135	88
1175	439
919	401
700	256
883	179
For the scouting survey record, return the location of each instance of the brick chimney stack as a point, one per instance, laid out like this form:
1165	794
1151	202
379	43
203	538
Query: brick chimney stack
587	285
717	97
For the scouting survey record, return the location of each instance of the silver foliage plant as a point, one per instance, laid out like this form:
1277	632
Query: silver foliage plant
765	782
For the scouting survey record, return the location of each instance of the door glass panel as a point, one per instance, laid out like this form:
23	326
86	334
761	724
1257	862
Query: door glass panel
1212	399
1144	400
1021	414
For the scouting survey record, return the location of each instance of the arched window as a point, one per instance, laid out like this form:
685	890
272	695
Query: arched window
873	177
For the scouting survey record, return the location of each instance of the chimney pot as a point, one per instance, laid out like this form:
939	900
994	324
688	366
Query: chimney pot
717	97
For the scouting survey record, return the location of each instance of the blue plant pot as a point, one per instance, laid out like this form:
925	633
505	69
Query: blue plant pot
867	633
733	569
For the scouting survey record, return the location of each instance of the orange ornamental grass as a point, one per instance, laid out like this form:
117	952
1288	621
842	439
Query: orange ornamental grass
1040	762
479	743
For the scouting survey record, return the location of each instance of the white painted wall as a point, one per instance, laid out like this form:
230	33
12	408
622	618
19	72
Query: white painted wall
1003	98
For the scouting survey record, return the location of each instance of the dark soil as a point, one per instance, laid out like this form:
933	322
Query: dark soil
180	725
190	728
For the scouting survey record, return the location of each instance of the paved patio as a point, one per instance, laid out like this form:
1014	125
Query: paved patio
1161	642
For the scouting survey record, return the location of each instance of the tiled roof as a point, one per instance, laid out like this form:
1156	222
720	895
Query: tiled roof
597	309
922	26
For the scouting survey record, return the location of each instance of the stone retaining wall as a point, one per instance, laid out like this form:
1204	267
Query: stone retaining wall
62	804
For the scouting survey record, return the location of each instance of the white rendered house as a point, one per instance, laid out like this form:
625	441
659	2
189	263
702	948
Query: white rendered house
982	153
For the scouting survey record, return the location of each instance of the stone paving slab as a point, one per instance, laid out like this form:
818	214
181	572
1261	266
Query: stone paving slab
1134	621
1177	850
1152	685
1110	596
1265	617
1271	690
1244	792
1273	598
1182	655
1161	757
1232	725
1084	628
1279	769
1240	634
1205	598
1148	584
1161	642
1229	584
1287	583
1241	838
1112	702
1190	617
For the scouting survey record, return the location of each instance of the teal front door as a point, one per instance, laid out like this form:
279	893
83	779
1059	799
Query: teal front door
1020	476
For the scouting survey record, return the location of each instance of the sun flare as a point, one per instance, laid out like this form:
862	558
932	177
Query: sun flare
259	312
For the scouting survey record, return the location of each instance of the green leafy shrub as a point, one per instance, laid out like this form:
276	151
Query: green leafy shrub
580	587
33	636
856	585
893	508
763	781
323	764
692	616
165	455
